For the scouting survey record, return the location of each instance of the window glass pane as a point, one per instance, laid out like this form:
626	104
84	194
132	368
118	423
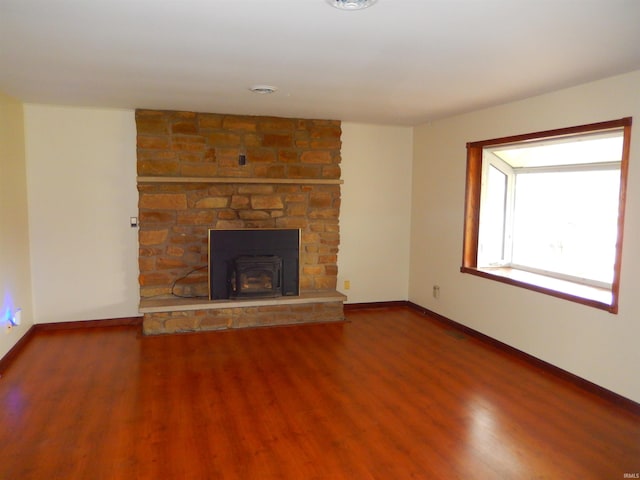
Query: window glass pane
493	218
566	222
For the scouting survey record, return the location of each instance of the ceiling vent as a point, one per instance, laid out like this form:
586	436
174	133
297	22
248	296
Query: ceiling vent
351	4
263	89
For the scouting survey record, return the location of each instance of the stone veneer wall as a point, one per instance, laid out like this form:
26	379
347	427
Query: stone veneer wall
175	215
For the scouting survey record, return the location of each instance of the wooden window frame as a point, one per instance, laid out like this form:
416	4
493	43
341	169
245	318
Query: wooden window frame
472	211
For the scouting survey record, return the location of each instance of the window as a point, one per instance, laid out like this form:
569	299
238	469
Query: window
545	211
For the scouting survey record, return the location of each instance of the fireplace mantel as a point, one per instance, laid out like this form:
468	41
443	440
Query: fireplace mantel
248	180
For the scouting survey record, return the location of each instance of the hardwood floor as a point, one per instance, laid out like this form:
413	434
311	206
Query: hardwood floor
389	395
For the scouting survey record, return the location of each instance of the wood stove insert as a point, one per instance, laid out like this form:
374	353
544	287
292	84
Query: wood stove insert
253	263
256	276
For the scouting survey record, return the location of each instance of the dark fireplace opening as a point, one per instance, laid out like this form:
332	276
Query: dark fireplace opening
253	263
255	276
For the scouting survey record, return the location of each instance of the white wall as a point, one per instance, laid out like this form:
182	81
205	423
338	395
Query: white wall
81	175
15	283
375	212
590	343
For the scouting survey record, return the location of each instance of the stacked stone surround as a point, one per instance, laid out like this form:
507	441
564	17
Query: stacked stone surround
190	180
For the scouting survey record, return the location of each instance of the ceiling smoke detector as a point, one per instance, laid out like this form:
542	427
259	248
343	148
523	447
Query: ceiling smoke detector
263	89
351	4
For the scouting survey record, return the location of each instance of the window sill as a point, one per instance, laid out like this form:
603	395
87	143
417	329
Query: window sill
587	295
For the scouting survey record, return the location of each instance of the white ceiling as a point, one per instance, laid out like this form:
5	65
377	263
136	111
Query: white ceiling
399	62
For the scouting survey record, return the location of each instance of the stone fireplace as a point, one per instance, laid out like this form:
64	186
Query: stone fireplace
200	173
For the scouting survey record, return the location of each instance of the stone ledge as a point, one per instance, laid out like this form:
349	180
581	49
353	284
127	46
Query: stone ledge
177	304
225	315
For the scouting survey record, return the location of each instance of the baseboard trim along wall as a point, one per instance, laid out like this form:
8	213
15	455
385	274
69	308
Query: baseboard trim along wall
362	306
14	351
580	382
111	322
11	355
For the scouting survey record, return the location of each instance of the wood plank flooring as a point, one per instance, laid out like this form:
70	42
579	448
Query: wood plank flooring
391	394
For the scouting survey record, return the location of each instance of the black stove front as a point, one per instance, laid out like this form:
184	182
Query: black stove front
247	263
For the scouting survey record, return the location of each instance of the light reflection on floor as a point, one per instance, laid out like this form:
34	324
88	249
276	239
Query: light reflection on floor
489	439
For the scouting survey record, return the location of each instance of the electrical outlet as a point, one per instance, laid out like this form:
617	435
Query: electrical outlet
347	284
436	291
17	317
